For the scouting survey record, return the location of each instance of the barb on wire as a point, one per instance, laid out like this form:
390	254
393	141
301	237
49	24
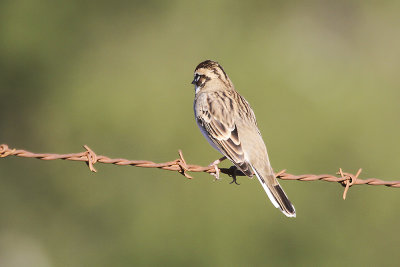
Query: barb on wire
180	165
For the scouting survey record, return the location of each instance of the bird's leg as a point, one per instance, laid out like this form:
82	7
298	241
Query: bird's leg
218	161
215	165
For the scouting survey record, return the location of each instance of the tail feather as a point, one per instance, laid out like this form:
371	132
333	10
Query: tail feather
286	206
277	196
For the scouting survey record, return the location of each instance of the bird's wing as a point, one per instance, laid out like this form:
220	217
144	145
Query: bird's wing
217	117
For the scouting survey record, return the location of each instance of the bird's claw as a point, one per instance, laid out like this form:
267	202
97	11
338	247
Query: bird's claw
217	172
215	165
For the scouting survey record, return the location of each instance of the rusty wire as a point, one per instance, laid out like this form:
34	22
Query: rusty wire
180	165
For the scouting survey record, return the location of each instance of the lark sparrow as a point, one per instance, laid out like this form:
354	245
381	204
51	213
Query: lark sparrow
228	123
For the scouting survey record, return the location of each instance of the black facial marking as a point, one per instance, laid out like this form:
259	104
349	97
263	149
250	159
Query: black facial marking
196	78
214	66
200	79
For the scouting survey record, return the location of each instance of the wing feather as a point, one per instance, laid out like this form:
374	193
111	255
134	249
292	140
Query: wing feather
217	119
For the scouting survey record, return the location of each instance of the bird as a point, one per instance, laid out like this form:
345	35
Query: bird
228	123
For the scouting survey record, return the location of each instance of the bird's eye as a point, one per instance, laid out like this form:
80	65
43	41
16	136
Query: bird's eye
196	79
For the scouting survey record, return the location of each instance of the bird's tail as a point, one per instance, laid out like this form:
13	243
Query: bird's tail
276	194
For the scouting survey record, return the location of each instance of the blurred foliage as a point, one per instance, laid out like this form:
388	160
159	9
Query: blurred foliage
322	77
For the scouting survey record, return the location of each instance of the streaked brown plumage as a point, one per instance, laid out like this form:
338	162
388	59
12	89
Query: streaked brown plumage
227	121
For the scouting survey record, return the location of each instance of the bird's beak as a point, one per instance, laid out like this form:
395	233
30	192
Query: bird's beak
193	82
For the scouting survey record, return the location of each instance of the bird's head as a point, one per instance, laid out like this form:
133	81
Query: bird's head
209	73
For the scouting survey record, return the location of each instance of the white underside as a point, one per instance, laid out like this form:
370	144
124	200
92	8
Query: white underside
205	134
196	89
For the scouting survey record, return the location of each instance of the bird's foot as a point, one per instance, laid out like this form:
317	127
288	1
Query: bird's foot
215	165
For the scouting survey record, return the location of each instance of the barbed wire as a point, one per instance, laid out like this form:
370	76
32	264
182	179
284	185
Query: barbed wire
90	157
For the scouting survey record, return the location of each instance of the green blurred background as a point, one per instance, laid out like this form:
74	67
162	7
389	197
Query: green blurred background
321	76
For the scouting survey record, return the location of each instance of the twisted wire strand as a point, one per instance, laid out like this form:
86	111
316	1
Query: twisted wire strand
180	165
